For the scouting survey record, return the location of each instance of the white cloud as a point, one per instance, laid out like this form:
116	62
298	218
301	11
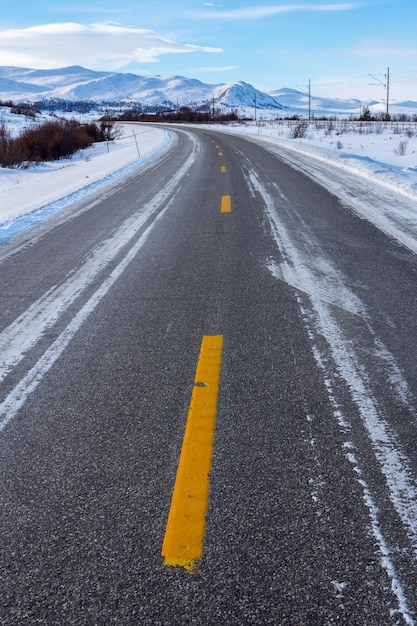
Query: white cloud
249	13
227	68
53	45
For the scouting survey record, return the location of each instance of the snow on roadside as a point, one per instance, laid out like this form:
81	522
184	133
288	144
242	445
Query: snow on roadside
385	152
29	195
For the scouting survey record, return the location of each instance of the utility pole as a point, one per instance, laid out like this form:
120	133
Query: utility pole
309	97
386	86
136	142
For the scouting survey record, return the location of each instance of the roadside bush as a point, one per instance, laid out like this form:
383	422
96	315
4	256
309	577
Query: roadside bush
330	127
48	142
299	131
94	132
4	137
401	149
366	115
109	129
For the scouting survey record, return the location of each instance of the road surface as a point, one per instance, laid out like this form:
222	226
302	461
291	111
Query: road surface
311	517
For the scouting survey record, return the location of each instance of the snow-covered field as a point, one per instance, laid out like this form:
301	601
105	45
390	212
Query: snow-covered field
384	154
385	151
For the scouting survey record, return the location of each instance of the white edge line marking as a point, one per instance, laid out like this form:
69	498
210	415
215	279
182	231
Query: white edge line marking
16	398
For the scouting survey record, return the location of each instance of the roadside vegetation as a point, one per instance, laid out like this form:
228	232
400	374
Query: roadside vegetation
50	140
183	114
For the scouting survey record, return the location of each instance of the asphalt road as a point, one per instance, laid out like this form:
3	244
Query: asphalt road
312	511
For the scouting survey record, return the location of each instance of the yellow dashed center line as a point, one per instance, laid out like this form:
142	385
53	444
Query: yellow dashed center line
222	168
184	535
226	206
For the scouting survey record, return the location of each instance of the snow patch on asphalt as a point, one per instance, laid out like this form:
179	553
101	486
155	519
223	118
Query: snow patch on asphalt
305	276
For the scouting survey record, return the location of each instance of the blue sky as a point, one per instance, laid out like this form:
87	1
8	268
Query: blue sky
334	44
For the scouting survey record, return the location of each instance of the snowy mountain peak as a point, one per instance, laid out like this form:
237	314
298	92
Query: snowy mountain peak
242	94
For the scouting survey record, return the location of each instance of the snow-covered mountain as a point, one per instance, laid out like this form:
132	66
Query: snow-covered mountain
298	101
80	84
77	83
236	95
293	98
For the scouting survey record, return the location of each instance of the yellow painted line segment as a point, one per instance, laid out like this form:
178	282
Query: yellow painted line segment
220	153
184	534
222	168
226	206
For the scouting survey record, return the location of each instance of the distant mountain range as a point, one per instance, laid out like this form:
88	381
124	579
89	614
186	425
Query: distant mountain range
80	84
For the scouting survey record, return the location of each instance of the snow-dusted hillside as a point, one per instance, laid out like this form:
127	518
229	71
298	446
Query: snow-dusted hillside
17	91
296	99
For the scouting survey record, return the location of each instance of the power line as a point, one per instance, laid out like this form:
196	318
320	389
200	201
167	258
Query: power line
386	85
309	97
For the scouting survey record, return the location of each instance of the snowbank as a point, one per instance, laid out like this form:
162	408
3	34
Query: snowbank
29	195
